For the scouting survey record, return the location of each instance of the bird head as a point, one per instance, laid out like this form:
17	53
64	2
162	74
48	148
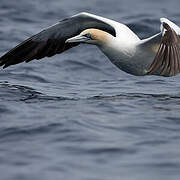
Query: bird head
90	36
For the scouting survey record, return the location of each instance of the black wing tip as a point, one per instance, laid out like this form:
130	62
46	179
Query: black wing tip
5	66
2	63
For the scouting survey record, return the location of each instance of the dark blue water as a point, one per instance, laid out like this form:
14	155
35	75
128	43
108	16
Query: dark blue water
76	116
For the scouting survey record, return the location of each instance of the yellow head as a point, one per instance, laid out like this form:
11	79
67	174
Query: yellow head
91	36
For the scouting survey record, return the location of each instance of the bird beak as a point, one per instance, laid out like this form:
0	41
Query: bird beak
77	39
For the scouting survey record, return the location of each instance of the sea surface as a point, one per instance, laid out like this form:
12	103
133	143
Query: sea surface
76	116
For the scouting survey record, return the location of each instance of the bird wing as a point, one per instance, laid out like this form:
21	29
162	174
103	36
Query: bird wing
167	59
51	40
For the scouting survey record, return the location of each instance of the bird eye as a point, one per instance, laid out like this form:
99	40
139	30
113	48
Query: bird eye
88	35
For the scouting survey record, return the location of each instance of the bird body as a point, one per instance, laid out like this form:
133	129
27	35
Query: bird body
157	55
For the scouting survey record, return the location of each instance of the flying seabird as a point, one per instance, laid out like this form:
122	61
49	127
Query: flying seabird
157	55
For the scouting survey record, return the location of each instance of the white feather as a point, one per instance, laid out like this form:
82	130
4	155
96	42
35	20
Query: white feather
171	24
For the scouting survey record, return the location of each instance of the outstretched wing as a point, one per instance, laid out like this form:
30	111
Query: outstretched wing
167	59
51	41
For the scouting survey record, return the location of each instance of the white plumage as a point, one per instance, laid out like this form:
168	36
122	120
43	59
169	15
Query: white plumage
158	55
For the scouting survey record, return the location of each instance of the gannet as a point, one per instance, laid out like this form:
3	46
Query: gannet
157	55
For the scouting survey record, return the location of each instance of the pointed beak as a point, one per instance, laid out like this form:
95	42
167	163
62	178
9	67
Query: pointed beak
77	39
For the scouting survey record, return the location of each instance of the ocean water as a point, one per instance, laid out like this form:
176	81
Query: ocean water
76	116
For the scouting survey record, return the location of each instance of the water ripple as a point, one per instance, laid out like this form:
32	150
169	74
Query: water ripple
75	115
